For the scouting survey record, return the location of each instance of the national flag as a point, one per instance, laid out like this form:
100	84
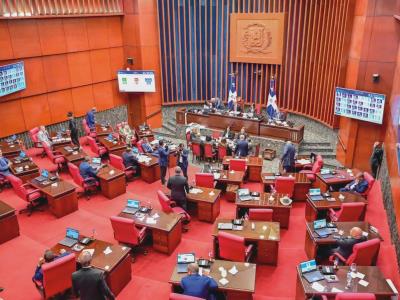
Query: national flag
232	92
272	108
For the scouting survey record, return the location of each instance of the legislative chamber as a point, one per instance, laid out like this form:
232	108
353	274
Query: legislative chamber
187	150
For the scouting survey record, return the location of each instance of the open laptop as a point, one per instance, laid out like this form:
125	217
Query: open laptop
71	238
44	175
315	194
183	260
132	206
22	154
309	271
96	163
320	228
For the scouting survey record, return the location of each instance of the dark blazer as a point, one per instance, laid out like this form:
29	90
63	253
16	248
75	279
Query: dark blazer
198	286
376	157
242	148
230	136
345	248
179	187
360	187
289	153
163	156
87	170
72	127
89	284
129	159
90	120
184	157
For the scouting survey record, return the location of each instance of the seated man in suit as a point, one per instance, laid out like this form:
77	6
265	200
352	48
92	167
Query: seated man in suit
359	185
86	170
43	136
48	256
130	160
4	165
242	147
216	103
146	146
228	134
197	285
179	186
90	118
89	283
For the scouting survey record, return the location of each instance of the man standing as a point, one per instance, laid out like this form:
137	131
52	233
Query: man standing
288	157
163	155
197	285
73	129
183	161
376	158
242	148
179	186
90	118
88	283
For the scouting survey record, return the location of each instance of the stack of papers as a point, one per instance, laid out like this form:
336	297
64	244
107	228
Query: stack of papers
155	216
91	251
223	281
217	175
318	287
195	191
233	270
304	161
107	250
151	221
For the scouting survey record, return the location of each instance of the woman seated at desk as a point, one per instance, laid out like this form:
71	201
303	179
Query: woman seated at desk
228	134
129	134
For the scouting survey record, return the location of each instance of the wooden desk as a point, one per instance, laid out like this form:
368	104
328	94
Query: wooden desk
313	242
281	212
103	130
166	233
9	227
266	247
75	157
301	161
254	166
241	286
340	179
10	149
222	121
118	273
230	177
294	134
150	172
112	182
24	170
184	117
114	147
145	133
58	142
61	197
377	284
301	185
319	209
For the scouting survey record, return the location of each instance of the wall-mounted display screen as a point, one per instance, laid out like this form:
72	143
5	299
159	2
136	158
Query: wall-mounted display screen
136	81
12	78
359	105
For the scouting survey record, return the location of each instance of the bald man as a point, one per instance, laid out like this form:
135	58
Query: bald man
88	283
197	285
359	185
179	186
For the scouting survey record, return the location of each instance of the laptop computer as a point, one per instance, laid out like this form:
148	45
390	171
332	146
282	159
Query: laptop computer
132	206
22	154
183	260
96	161
71	238
320	228
309	271
44	175
315	194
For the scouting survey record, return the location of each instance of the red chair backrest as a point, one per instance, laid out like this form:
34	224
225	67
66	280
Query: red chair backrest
260	214
48	151
17	185
355	296
33	134
196	149
208	150
204	180
174	296
57	275
237	165
285	185
85	126
231	247
365	253
317	166
93	145
139	146
258	108
371	180
221	152
76	176
125	230
215	134
350	212
164	202
117	162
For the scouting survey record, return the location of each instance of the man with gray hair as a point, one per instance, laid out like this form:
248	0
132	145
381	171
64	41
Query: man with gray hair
88	283
197	285
179	186
288	157
242	147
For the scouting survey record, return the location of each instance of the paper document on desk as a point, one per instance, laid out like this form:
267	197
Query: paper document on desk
107	251
195	191
151	221
217	175
336	290
91	251
363	282
223	281
233	270
155	216
304	161
318	287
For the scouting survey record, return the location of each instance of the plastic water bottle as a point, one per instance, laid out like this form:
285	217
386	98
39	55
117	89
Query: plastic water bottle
349	280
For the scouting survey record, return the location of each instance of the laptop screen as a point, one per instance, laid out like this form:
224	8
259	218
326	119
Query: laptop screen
186	258
133	203
308	266
319	224
96	160
72	233
45	173
22	154
314	192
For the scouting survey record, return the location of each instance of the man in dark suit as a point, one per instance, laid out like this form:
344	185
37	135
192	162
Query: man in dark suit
288	157
183	161
146	146
359	185
179	186
90	118
197	285
130	160
376	158
163	155
73	129
242	147
228	134
88	283
86	170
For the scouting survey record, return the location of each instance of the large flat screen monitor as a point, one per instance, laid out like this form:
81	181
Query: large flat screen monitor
359	105
12	78
136	81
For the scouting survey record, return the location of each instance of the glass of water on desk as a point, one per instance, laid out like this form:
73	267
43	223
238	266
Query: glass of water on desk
353	268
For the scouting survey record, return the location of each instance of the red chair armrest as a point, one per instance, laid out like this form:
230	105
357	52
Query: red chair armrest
336	254
306	172
332	214
33	191
307	167
38	145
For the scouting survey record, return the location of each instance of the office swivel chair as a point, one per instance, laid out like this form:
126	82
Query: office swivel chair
364	254
349	212
232	247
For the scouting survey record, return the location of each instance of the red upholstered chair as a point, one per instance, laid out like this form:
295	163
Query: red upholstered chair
349	212
355	296
204	180
196	152
232	247
209	153
237	165
56	158
175	296
258	108
96	148
117	162
38	148
57	275
284	185
166	207
126	232
371	180
364	254
188	138
85	185
3	182
139	146
216	134
87	129
316	167
260	214
222	152
26	192
318	159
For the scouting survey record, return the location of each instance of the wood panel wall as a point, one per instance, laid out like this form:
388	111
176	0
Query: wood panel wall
194	39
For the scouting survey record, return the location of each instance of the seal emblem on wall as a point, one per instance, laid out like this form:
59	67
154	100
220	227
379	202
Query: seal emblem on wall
256	38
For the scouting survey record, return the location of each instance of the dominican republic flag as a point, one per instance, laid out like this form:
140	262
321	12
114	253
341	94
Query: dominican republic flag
232	92
272	108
